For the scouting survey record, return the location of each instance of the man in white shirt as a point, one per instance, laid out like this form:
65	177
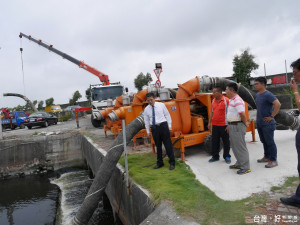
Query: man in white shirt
157	115
237	123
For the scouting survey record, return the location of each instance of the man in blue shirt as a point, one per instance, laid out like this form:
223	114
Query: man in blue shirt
267	107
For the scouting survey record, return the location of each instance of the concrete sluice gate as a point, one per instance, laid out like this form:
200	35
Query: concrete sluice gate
43	153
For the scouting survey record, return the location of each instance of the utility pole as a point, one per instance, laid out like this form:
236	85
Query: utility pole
1	134
286	76
265	70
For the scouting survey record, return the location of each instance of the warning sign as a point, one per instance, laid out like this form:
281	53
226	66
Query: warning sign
157	84
158	72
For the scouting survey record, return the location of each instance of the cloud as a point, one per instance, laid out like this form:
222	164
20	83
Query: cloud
124	38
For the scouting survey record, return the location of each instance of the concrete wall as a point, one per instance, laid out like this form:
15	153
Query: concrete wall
25	155
133	205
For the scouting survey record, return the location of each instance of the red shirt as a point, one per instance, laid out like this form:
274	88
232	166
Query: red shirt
218	109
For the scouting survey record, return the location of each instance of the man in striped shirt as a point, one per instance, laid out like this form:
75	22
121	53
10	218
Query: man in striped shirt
237	123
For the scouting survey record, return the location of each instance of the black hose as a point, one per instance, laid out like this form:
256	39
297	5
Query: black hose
248	96
105	171
172	93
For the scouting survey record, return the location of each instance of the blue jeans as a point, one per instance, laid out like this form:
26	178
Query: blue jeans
266	135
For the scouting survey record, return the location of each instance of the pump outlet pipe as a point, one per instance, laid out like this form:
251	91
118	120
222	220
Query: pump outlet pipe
105	171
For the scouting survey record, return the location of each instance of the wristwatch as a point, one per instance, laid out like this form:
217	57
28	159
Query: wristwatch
272	116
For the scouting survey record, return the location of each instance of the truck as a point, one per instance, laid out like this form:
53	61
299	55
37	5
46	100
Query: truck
53	109
101	97
100	94
14	120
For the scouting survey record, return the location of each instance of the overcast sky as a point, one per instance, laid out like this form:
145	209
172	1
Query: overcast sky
125	37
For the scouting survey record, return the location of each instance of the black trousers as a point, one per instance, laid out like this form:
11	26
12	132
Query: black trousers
217	133
297	195
161	134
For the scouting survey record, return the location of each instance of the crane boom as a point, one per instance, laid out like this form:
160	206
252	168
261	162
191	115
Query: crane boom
102	76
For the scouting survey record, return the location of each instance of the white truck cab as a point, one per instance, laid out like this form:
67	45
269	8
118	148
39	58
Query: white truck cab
103	96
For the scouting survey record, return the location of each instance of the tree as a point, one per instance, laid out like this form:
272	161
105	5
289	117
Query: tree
75	98
49	101
142	80
243	65
27	107
40	105
18	108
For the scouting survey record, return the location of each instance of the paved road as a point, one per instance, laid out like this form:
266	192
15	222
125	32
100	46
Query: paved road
84	123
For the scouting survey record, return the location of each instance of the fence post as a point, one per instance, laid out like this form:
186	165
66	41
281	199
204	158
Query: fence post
1	135
125	153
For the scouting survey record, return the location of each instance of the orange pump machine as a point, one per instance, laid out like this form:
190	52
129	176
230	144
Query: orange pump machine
128	113
189	113
199	106
114	127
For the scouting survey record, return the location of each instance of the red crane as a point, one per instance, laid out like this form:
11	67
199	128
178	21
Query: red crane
102	76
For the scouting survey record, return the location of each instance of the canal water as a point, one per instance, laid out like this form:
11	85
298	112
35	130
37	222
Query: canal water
48	200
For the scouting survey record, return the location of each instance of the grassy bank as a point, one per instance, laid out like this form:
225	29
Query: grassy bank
189	197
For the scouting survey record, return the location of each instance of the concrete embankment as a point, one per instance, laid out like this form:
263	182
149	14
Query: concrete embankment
39	154
42	153
131	204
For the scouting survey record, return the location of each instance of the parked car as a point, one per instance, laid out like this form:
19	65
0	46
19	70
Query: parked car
71	108
42	119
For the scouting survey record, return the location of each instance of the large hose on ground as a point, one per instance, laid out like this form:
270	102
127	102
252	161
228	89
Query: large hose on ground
24	97
105	171
208	83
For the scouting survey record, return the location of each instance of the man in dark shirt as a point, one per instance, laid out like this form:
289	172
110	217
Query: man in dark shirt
295	199
267	107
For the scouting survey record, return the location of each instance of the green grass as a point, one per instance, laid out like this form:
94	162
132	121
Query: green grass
190	198
291	181
66	117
